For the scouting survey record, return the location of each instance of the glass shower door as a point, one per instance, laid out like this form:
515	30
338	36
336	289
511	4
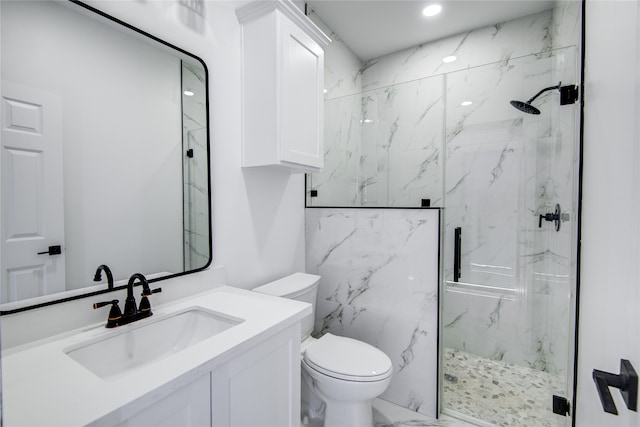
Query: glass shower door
508	274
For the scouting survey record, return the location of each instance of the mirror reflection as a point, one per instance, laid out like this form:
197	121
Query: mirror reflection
104	153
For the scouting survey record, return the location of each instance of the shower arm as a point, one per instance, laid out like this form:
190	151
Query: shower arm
543	91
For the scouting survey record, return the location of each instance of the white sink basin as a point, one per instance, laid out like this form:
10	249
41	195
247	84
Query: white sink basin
149	340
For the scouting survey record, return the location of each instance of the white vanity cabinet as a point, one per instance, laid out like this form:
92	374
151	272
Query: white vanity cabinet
260	387
282	93
189	406
247	374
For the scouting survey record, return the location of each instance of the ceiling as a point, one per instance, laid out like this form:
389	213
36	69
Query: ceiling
375	28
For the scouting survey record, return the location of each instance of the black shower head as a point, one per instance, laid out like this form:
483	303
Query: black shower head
525	107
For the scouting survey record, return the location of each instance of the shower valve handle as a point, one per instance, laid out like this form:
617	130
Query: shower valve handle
551	216
547	217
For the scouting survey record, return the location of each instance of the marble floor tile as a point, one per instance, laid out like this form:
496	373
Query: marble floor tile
387	414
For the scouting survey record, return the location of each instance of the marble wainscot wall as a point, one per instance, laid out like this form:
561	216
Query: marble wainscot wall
379	284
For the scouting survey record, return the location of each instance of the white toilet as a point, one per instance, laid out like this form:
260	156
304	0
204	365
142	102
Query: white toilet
343	373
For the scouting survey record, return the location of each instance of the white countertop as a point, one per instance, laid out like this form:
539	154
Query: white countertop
42	386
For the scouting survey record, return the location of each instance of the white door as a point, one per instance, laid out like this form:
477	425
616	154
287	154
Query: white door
31	206
609	322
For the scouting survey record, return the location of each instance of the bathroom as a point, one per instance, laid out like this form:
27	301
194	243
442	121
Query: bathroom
258	215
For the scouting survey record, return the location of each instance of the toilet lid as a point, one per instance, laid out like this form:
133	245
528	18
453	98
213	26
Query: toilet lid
347	359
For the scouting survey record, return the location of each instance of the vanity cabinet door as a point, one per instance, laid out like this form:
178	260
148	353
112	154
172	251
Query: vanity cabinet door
261	387
189	406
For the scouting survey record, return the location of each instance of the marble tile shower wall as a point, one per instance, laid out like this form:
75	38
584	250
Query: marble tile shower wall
338	183
374	144
379	284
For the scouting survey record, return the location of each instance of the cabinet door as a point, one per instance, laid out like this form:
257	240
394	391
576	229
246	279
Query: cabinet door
260	388
301	119
190	406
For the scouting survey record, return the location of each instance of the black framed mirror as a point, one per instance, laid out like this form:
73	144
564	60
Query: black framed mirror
105	154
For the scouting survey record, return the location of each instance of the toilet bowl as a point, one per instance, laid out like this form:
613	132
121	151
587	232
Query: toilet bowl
344	374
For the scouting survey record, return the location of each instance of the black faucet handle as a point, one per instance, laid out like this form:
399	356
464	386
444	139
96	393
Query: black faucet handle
114	314
146	291
145	305
103	303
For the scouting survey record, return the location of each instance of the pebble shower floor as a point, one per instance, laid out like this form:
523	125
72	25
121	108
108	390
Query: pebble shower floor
500	393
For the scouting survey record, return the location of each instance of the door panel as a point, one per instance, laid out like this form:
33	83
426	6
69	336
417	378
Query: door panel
32	193
609	328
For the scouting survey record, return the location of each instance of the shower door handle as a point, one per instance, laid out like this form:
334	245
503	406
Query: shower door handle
457	248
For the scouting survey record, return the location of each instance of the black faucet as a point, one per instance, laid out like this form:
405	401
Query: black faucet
130	304
131	312
144	310
130	307
107	271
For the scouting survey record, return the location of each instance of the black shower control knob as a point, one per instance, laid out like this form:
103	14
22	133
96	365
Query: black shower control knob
547	217
552	216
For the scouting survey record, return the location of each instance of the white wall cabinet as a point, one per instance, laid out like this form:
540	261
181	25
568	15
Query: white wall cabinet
283	79
261	387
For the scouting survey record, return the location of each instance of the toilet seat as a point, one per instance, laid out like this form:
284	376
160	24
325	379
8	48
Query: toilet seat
347	359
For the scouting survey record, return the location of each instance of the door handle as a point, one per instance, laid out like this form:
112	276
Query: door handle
626	381
53	250
457	254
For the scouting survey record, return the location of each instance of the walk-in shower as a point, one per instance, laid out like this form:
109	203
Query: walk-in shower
406	131
509	247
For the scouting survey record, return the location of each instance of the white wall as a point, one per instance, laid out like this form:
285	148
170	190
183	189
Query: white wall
609	326
258	214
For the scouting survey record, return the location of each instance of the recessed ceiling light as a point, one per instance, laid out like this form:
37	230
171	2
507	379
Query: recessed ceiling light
188	93
432	10
466	103
449	58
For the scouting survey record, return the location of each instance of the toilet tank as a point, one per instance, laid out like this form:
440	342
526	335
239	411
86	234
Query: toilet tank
300	287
